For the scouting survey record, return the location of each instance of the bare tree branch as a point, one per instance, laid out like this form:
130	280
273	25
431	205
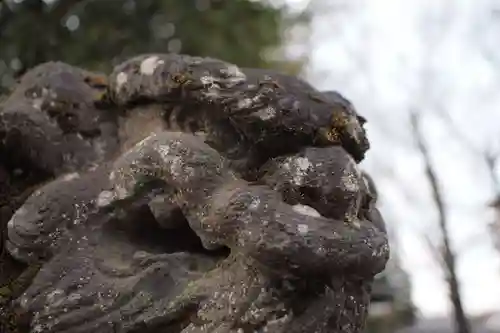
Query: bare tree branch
434	250
447	254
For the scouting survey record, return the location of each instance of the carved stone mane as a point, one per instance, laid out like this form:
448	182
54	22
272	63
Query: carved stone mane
185	194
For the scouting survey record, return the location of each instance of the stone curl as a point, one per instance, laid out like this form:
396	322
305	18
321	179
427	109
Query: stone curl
186	194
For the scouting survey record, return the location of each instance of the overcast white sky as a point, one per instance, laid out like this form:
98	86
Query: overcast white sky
373	51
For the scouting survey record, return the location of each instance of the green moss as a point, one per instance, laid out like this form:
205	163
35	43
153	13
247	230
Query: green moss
10	319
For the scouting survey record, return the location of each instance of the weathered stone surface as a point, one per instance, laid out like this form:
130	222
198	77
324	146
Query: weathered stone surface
51	120
39	228
245	113
190	196
326	179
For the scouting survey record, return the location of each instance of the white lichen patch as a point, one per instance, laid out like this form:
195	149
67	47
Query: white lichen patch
70	176
380	251
176	168
212	86
320	251
73	297
235	72
54	295
140	255
120	192
149	65
303	163
235	75
266	113
353	128
38	103
351	177
306	210
298	167
23	301
303	229
121	79
81	213
105	198
164	151
254	204
245	103
207	80
38	328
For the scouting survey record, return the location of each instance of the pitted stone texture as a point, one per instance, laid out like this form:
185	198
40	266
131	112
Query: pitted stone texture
172	162
278	272
52	120
300	113
40	227
233	204
159	76
105	269
253	219
267	113
255	224
326	179
89	289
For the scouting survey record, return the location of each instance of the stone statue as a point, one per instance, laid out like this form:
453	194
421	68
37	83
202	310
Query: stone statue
184	194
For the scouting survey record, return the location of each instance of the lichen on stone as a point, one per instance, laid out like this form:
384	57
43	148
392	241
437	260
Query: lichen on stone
201	197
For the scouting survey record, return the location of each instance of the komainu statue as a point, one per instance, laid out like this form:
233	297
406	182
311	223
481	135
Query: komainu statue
183	194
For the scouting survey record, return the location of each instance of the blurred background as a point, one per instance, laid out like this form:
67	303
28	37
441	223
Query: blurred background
425	73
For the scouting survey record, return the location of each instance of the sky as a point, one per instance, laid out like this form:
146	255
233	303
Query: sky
390	56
